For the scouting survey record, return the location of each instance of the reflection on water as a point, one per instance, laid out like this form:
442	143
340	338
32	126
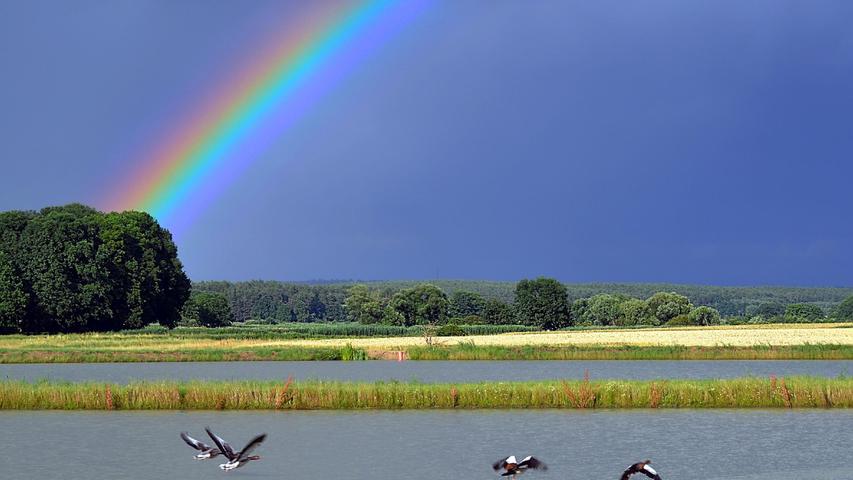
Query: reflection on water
459	371
715	444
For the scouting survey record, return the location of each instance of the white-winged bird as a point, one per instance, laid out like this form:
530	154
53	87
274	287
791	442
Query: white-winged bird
641	467
205	450
236	459
513	467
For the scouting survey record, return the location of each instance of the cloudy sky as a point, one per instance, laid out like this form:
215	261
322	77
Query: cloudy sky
678	141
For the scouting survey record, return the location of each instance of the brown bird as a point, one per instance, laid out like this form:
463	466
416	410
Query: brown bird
513	467
641	467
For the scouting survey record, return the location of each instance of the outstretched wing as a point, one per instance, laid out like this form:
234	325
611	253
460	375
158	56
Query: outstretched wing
636	468
200	446
253	444
499	464
533	462
222	444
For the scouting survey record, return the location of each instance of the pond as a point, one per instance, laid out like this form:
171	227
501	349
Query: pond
707	444
426	371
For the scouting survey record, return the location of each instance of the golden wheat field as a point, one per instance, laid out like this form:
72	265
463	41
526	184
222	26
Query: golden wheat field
743	336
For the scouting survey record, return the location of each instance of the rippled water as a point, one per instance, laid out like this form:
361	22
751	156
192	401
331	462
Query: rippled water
427	371
684	444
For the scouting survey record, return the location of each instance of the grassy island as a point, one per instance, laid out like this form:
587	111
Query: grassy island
793	392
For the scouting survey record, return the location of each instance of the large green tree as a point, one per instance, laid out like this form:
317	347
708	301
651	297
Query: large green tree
13	297
704	315
82	270
364	305
803	312
496	312
464	303
542	302
667	305
208	309
421	305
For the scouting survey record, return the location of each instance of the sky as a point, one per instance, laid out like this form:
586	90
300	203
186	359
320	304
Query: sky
595	141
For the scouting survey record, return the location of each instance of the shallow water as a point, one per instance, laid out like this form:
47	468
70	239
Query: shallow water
706	444
427	371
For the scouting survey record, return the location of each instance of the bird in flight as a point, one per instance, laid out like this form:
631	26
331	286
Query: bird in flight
641	467
236	459
512	467
205	450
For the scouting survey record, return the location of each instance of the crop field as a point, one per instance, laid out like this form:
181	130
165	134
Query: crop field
813	341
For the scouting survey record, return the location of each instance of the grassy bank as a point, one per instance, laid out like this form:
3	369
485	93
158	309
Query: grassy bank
461	351
794	392
469	351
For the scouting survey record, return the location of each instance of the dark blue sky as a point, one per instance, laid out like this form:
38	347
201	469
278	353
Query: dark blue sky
695	142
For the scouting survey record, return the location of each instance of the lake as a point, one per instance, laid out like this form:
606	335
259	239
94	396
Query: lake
426	371
706	444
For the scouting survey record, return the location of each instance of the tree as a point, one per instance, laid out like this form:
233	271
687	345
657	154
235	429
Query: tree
766	310
464	303
803	312
703	315
635	312
82	270
543	302
497	312
844	311
13	298
667	305
363	305
602	309
423	304
208	309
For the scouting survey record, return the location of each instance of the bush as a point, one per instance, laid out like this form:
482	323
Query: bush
450	330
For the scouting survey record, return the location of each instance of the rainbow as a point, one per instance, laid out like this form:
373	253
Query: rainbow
240	119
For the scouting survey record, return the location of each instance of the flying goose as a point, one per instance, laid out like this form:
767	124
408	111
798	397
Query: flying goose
513	467
236	459
641	467
206	451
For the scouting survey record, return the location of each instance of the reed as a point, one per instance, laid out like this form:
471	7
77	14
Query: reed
221	354
793	392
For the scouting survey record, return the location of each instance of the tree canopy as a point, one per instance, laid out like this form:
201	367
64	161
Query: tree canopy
542	302
74	269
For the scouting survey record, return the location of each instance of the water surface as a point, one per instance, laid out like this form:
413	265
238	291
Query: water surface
684	444
426	371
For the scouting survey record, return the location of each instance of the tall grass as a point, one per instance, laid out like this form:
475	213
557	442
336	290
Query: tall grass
794	392
223	354
470	351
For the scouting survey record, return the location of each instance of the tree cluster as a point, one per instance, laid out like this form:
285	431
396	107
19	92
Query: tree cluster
543	302
74	269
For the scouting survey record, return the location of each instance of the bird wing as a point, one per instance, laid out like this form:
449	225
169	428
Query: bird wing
628	472
532	462
200	446
499	464
224	447
253	444
645	470
650	472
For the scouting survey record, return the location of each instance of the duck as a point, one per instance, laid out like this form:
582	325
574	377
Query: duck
513	467
205	450
236	459
641	467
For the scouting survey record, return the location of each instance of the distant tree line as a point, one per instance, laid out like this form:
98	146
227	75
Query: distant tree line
544	303
74	269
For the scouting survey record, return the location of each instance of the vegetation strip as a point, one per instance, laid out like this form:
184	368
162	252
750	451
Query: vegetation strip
794	392
461	351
